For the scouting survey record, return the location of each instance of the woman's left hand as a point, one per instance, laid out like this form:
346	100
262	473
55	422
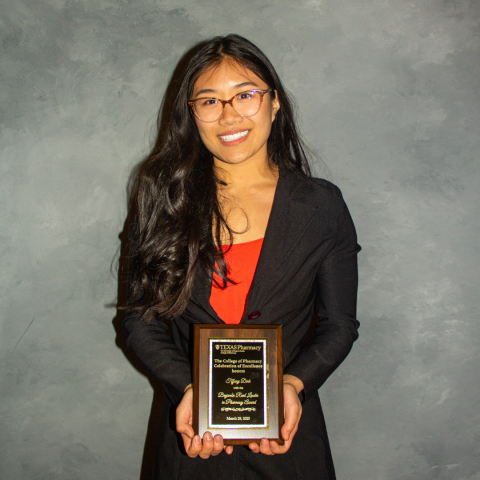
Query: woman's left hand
292	386
194	446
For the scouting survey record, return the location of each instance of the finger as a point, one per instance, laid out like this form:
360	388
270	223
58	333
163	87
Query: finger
187	442
195	446
279	449
186	429
183	416
265	447
293	413
255	448
207	446
229	450
289	429
276	448
217	445
291	420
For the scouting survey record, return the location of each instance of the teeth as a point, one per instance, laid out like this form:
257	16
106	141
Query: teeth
236	136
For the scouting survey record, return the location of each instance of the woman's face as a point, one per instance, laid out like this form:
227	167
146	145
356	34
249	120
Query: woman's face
250	134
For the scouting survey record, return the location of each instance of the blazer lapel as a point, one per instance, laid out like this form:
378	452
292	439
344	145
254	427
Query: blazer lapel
290	217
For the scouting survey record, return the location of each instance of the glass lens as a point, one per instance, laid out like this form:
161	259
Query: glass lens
247	103
208	109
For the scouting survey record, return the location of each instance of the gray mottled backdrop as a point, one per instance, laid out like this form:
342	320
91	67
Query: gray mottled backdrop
388	93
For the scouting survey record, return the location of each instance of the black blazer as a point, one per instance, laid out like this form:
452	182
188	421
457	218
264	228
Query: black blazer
308	263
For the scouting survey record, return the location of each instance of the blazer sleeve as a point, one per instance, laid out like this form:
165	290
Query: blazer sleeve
335	304
152	344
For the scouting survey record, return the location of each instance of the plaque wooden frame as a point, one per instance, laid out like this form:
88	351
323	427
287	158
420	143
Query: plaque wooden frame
205	336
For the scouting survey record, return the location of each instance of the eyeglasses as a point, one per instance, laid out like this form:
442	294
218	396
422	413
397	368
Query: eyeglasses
246	104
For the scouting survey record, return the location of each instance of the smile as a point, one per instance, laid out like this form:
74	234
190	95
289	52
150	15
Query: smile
235	136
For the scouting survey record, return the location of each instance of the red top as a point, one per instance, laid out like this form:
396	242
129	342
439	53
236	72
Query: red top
242	259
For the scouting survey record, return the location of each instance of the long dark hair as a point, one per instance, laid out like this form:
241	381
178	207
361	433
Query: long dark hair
174	194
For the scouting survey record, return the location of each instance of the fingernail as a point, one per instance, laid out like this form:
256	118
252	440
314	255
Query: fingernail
197	439
208	436
287	436
217	440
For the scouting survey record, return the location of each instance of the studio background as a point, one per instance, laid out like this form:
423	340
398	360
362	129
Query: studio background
387	92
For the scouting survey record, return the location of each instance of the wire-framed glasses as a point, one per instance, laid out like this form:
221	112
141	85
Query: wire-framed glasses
246	104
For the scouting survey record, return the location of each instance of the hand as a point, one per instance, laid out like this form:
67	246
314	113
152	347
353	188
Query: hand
292	386
193	443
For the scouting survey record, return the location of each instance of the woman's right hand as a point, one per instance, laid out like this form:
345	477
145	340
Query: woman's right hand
193	443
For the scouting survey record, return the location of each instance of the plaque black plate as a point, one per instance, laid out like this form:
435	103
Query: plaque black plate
238	383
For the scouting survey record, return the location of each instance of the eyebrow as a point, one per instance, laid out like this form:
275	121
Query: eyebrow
239	85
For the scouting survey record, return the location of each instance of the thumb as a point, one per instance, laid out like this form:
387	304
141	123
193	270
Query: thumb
286	430
187	430
183	419
291	417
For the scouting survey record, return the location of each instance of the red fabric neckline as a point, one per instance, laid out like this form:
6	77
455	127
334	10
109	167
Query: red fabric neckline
243	243
242	259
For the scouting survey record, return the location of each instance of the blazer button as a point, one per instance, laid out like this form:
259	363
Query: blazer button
253	315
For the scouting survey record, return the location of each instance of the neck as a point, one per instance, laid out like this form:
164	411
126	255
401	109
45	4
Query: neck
247	174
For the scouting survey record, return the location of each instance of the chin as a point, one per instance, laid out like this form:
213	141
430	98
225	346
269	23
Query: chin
232	159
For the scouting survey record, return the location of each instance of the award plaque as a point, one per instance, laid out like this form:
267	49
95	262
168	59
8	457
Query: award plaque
238	382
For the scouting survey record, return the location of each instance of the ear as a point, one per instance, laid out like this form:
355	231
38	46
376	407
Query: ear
275	106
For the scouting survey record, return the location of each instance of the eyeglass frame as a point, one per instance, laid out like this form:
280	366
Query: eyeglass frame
191	103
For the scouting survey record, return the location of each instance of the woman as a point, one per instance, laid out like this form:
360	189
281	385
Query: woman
231	228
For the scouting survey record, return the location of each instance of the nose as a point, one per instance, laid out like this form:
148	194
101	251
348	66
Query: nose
229	115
